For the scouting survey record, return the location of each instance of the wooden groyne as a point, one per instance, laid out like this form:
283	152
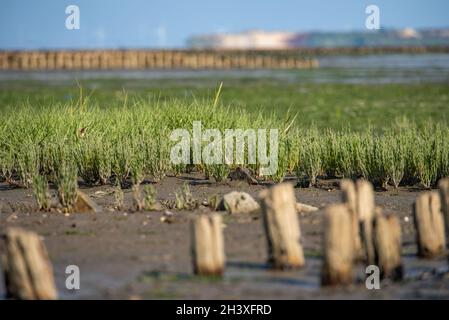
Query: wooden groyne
151	59
303	58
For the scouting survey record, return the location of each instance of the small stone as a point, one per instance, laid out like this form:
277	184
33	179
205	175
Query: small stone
168	220
12	217
168	217
84	204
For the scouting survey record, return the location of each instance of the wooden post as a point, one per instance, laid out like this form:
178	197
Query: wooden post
27	270
208	245
443	186
429	225
387	243
338	246
349	197
365	209
282	227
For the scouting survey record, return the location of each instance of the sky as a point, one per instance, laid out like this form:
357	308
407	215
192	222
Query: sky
41	24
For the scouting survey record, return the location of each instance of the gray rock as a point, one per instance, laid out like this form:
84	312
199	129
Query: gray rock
237	202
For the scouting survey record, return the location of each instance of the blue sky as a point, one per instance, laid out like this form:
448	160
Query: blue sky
31	24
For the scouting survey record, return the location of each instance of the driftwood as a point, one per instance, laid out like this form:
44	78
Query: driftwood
305	208
443	186
349	197
281	226
429	225
242	173
387	243
365	210
27	270
208	245
338	245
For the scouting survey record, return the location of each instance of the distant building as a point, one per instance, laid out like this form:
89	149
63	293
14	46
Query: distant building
246	40
409	33
257	39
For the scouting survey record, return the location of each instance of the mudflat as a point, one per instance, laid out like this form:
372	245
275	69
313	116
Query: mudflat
138	255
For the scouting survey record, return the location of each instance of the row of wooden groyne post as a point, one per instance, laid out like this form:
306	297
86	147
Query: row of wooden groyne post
300	58
354	231
152	59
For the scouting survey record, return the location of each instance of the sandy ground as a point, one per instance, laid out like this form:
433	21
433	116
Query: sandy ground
135	255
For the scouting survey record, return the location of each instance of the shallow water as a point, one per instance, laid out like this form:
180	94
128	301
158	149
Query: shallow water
390	68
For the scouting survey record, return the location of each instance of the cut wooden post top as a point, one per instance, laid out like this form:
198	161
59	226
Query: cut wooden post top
27	269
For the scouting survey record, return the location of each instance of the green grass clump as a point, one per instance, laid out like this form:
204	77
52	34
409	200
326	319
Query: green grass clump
42	192
67	185
219	172
126	143
185	199
150	197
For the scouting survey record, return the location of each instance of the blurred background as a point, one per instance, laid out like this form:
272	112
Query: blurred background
99	82
326	60
28	24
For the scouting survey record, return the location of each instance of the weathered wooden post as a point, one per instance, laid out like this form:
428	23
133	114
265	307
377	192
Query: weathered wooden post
208	245
338	245
281	226
27	270
41	61
177	57
76	60
429	225
365	209
3	60
349	197
443	186
141	60
387	243
33	60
